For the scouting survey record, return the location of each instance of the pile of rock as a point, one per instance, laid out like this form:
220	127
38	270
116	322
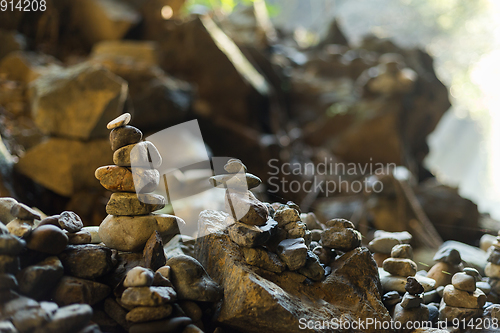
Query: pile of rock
492	269
461	299
132	179
383	242
411	308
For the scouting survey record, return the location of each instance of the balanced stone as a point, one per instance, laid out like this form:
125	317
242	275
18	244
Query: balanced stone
413	286
149	313
52	220
138	277
400	267
121	120
410	315
23	212
339	224
148	296
234	165
472	272
411	301
398	283
115	178
452	313
47	239
263	259
238	181
124	136
70	221
442	273
191	281
383	244
403	251
464	281
10	244
142	154
344	240
134	204
463	299
293	252
245	208
491	270
6	205
286	215
247	235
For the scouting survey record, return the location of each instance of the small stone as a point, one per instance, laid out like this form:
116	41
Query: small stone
430	297
20	228
383	244
148	296
400	267
27	320
142	154
311	221
493	311
142	314
70	221
80	237
69	319
398	283
191	281
191	309
391	298
8	281
403	251
442	273
411	301
238	181
472	272
167	325
119	121
48	239
263	259
9	264
463	281
94	234
134	204
286	215
462	299
448	255
234	165
23	212
115	178
247	235
11	245
344	240
72	290
491	270
6	205
139	277
35	281
87	261
313	268
124	136
245	208
293	252
413	286
153	253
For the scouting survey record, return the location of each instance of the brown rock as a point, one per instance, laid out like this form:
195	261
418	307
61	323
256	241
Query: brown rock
87	261
72	290
148	296
154	256
442	273
167	325
245	208
132	204
37	280
81	237
141	314
115	178
48	239
142	154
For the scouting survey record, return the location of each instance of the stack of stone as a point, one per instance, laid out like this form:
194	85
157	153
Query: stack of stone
461	299
272	237
411	308
167	300
384	241
398	268
492	269
132	179
448	263
24	219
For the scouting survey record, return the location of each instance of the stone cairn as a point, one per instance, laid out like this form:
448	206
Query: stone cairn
132	179
462	299
383	242
411	308
492	269
275	237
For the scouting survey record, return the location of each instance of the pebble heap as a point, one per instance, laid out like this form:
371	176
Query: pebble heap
492	269
411	308
461	298
132	179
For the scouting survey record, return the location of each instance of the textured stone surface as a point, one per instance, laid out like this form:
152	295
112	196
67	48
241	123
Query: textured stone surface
37	280
293	252
68	319
115	178
148	296
263	259
121	120
138	277
87	261
463	281
343	240
400	267
134	204
72	290
70	221
23	212
272	302
462	299
247	235
142	314
153	253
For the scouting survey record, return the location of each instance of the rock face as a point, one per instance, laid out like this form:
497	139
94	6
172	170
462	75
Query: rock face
77	102
273	302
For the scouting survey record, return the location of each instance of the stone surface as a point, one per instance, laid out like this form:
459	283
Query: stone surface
142	314
123	136
47	239
312	268
412	315
68	319
463	281
87	261
80	237
462	299
191	309
449	313
27	320
37	280
403	251
471	255
410	301
71	164
23	212
94	234
276	302
115	178
116	312
494	257
153	253
400	267
142	154
235	165
134	204
343	240
130	233
27	66
191	281
70	221
8	281
245	208
148	296
72	290
293	252
89	95
484	287
263	259
11	245
121	120
325	255
138	277
247	235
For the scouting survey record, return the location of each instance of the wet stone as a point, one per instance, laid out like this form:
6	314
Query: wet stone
132	204
121	120
138	277
23	212
148	296
70	221
293	252
142	154
11	245
124	136
142	314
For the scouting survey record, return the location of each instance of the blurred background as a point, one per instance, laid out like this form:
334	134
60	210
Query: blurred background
399	83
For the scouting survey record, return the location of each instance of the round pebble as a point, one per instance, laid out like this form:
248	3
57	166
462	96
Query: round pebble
123	136
139	277
121	120
48	239
464	281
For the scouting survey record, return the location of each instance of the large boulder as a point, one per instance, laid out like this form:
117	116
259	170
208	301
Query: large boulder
77	102
256	300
